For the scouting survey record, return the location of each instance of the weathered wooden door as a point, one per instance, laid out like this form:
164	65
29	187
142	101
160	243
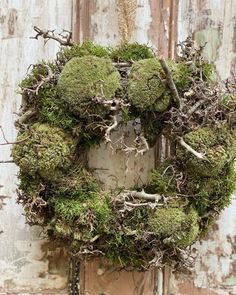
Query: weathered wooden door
31	265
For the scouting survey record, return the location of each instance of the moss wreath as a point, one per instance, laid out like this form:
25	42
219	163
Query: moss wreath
77	101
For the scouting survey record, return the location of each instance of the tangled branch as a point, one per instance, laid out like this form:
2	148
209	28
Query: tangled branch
64	40
36	87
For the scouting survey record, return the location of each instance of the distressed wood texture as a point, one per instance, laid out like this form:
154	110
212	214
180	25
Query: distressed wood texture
28	264
213	21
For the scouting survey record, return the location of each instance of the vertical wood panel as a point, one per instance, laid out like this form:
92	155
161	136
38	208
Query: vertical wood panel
155	24
213	22
28	263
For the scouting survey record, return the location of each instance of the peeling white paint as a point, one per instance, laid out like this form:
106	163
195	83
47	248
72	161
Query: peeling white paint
22	258
214	21
106	31
142	23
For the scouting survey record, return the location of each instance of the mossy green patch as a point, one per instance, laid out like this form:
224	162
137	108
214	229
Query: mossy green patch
44	150
163	179
212	193
175	226
216	144
84	49
146	89
166	221
131	52
82	79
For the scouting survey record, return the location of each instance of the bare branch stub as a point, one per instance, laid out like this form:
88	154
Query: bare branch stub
170	82
64	40
7	142
6	162
191	150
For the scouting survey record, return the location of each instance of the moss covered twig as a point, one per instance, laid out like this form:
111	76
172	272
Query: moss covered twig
170	82
39	83
64	40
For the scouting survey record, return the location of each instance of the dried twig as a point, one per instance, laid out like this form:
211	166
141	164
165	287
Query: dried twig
170	82
39	83
110	128
111	104
195	107
64	40
126	194
10	142
140	141
6	162
191	150
25	117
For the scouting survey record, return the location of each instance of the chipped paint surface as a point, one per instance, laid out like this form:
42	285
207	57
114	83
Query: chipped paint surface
27	262
213	22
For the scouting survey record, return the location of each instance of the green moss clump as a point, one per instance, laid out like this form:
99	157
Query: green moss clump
181	73
45	102
166	221
81	209
131	52
31	196
44	150
190	231
212	193
218	146
122	250
163	179
175	226
146	90
51	110
80	82
84	49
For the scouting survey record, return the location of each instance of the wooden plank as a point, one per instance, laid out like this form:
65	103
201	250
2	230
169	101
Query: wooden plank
28	263
149	20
